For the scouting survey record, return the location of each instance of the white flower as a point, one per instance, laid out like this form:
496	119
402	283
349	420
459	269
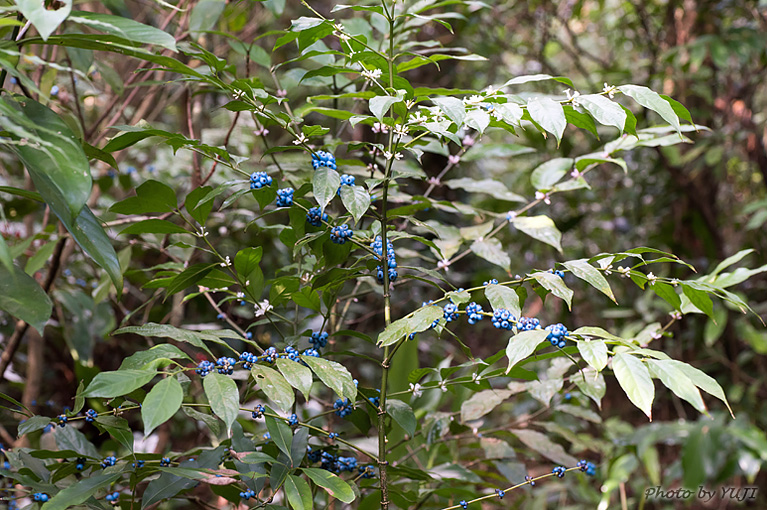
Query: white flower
418	118
387	155
674	282
608	269
510	216
262	308
372	74
609	90
467	141
454	159
576	174
301	139
539	195
651	277
416	389
624	271
475	377
227	262
401	129
342	36
473	100
443	264
238	94
443	386
380	128
202	233
240	295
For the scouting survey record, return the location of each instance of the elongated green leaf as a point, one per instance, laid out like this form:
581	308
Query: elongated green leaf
555	285
356	200
154	226
299	493
594	352
118	383
151	197
668	294
634	378
481	403
700	299
677	381
125	27
274	386
334	375
503	297
81	491
280	433
604	110
545	176
591	383
223	397
297	375
492	251
325	184
541	228
402	414
161	403
379	105
452	107
90	235
704	382
588	273
540	443
549	115
492	187
32	424
537	77
523	345
334	485
652	100
22	297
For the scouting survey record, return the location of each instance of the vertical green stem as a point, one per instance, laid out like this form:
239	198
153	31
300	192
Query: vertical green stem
385	365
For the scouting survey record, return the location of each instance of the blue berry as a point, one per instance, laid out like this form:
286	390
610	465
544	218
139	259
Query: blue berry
557	334
270	355
292	353
259	179
62	420
368	471
587	467
248	359
557	272
109	461
559	471
293	420
312	352
55	90
474	312
315	216
503	319
40	496
376	401
528	323
323	159
346	180
258	412
312	454
340	234
490	282
138	464
113	497
248	494
530	480
463	503
204	368
165	462
285	197
267	437
450	312
343	407
91	415
225	365
80	463
319	340
500	493
347	464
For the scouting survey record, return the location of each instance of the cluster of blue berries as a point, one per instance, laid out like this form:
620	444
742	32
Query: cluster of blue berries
391	259
319	340
285	197
368	471
258	412
91	415
490	282
559	471
248	494
259	179
315	216
557	272
529	479
109	461
450	312
503	319
528	324
376	401
204	368
225	365
463	503
40	496
293	420
557	334
165	462
114	497
587	467
474	312
343	407
337	465
248	360
340	234
138	464
292	354
80	463
323	158
346	180
62	418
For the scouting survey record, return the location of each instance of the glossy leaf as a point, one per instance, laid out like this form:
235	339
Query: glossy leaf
118	383
274	386
356	200
501	296
588	273
334	375
403	414
325	184
299	493
594	352
334	485
604	110
546	175
634	378
492	251
22	297
555	285
522	345
549	115
541	228
299	376
161	403
280	433
223	397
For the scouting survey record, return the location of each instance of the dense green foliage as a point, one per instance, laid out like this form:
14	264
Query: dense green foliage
391	255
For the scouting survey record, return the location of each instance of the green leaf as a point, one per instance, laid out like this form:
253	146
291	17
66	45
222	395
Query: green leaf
334	375
22	297
189	277
32	424
492	250
594	352
541	228
478	120
700	299
297	375
161	403
523	344
125	27
223	397
379	105
540	443
356	200
90	235
652	100
298	492
151	197
45	20
403	415
280	433
704	382
604	110
588	273
549	115
423	318
591	383
334	485
118	382
325	184
274	386
81	491
677	381
154	226
118	428
537	77
452	107
481	403
545	176
668	294
5	255
503	297
494	188
205	14
634	378
555	285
